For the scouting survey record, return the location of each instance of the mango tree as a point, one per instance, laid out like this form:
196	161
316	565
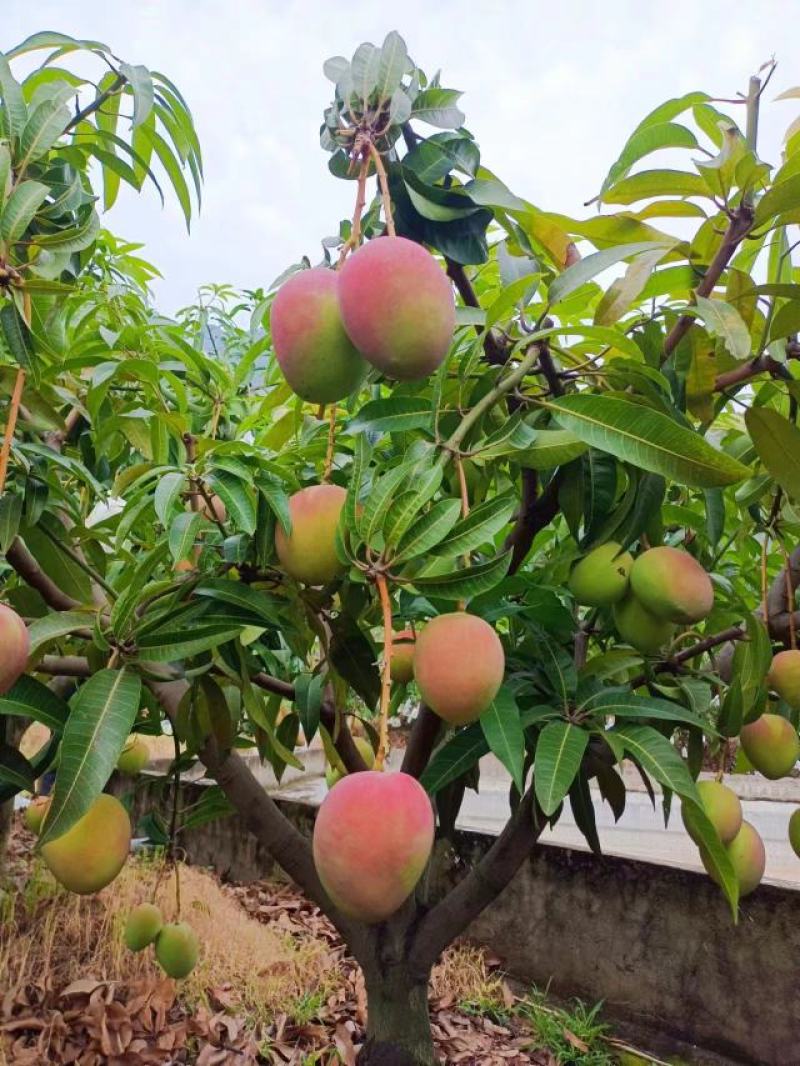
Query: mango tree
534	477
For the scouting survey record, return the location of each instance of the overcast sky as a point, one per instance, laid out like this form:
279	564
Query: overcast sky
551	91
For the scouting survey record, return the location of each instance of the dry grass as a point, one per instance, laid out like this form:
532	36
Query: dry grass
463	976
55	938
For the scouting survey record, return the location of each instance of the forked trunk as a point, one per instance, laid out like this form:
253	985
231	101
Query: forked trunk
398	1024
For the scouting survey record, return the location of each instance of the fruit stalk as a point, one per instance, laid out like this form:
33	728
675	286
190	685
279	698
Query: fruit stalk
326	474
386	671
384	187
354	239
790	601
11	424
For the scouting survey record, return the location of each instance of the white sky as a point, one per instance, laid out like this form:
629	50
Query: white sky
551	92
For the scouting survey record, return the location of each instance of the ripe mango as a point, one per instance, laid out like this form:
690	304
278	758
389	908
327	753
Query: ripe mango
784	677
308	554
672	585
459	666
91	854
771	744
723	808
15	645
402	664
748	858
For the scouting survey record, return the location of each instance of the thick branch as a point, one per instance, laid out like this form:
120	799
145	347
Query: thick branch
421	741
287	845
706	644
481	886
536	511
493	348
64	666
274	685
32	574
97	103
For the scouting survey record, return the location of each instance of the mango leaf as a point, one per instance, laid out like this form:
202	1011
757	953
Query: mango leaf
559	751
437	107
466	583
103	711
785	196
20	209
167	491
238	499
646	140
183	533
481	525
580	799
429	530
353	657
654	753
395	414
141	84
57	624
750	663
592	265
380	500
409	503
552	447
458	755
170	647
505	736
255	601
713	852
777	441
650	183
308	690
10	515
627	705
724	321
647	439
625	290
45	125
29	698
15	770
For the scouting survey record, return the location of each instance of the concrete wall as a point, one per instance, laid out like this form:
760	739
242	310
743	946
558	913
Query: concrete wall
656	944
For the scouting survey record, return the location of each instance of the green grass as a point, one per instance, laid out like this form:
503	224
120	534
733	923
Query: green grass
574	1034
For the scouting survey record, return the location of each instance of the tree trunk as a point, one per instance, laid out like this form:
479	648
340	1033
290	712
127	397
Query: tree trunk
398	1024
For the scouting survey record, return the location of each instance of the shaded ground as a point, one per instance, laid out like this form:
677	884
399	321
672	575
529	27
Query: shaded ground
274	984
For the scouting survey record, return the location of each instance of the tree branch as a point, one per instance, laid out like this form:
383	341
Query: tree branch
738	228
421	741
97	103
706	644
64	666
444	922
32	574
536	511
286	844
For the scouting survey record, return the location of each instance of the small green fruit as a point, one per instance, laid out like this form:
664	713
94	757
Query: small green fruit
402	664
35	812
601	577
143	926
332	775
723	808
135	756
784	677
636	625
748	858
794	832
177	949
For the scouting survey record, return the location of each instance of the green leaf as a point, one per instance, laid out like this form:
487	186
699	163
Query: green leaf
713	851
438	107
41	131
380	500
785	196
452	760
592	265
751	661
552	447
13	100
183	532
10	514
167	492
658	758
429	530
29	698
59	624
238	499
74	239
353	657
170	647
102	714
646	140
559	752
625	290
481	525
391	65
173	169
396	414
777	441
256	601
505	736
22	205
141	84
466	583
629	705
724	321
647	439
650	183
308	690
364	70
409	503
361	458
15	770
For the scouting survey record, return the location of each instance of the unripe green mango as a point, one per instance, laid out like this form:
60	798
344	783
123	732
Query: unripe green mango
143	926
723	808
134	757
332	775
748	858
35	812
638	627
177	949
794	832
600	578
91	854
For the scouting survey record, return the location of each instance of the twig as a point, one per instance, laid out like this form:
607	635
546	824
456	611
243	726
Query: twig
32	574
11	424
386	671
